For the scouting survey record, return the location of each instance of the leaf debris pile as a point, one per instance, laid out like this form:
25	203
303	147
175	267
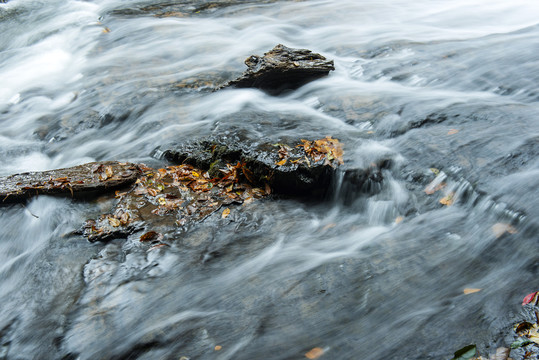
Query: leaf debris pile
328	150
173	196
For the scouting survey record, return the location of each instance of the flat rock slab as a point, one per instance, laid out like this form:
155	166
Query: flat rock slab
77	181
281	69
166	199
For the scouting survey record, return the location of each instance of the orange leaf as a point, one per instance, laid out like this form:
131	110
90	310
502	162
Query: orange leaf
314	353
470	291
218	347
399	219
225	213
281	163
452	132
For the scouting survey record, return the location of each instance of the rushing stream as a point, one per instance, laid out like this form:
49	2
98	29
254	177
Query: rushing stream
447	91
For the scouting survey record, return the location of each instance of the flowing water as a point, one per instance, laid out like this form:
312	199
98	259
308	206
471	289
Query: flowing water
447	91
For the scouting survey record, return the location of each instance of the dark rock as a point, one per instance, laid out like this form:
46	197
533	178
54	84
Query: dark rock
290	167
282	68
79	181
170	198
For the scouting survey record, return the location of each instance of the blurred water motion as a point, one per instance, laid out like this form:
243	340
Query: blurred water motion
435	87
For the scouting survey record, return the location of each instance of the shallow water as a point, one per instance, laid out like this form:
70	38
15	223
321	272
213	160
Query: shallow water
369	273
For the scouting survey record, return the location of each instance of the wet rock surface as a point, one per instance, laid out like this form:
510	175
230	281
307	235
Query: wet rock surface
282	68
79	181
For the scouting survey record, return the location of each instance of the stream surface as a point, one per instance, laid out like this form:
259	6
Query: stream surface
448	91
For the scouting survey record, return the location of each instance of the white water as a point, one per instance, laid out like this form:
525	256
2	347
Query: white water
67	65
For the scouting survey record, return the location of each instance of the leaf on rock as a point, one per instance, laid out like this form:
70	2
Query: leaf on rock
281	163
314	353
468	291
530	298
225	213
114	222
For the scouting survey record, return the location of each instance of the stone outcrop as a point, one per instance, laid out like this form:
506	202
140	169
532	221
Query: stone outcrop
281	69
79	181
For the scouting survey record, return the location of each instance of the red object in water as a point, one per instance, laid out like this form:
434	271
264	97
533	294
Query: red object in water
528	299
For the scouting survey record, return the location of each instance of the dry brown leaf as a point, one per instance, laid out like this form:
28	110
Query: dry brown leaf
501	228
467	291
225	213
314	353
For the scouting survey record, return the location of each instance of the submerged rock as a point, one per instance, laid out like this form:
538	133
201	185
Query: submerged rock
78	181
282	68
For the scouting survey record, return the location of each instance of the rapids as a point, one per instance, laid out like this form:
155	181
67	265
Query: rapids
447	90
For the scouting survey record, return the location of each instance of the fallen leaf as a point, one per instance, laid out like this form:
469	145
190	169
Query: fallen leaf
150	236
447	200
114	222
108	171
314	353
225	213
399	219
106	30
218	347
530	298
452	132
501	228
470	291
281	163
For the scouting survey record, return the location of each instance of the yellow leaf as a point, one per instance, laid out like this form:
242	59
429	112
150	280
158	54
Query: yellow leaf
106	30
314	353
470	291
452	132
108	171
114	222
162	201
447	200
195	174
500	228
281	163
399	219
225	213
218	347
